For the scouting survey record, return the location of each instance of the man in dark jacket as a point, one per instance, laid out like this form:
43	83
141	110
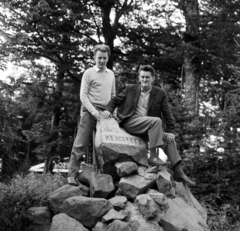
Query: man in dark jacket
141	115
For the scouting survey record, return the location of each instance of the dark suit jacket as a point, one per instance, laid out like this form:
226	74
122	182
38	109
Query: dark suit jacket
157	106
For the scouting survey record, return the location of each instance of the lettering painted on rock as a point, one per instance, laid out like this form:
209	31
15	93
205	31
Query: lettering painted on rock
121	139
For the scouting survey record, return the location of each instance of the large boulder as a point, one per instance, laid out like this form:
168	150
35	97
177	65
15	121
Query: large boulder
84	175
183	192
134	185
101	185
63	222
165	183
86	210
184	217
137	222
146	206
118	225
57	197
113	144
126	168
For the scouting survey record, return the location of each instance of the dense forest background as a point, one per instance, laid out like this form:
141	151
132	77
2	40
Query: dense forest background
194	47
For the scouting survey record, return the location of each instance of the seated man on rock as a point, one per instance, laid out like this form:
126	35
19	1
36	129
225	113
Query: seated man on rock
144	106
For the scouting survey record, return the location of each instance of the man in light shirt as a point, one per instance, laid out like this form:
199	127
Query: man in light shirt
144	107
97	89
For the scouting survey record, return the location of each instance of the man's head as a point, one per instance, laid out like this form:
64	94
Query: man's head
101	55
146	76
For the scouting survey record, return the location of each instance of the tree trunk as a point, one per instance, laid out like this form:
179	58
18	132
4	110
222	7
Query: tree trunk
191	76
191	46
56	118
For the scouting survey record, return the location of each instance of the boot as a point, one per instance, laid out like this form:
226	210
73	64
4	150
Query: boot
154	160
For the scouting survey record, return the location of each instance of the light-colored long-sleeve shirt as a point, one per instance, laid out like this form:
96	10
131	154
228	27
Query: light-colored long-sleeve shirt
97	88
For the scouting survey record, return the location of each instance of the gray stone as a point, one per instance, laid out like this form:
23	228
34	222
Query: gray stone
113	145
99	226
118	226
41	215
126	168
84	189
101	185
183	216
160	199
183	192
134	185
150	227
164	183
41	218
84	175
150	176
118	202
137	222
141	171
58	196
153	169
114	215
63	222
86	210
146	206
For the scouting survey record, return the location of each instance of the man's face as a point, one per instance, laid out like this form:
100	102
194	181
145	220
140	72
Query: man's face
146	79
101	59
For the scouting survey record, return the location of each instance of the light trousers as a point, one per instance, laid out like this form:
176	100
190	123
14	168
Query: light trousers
85	128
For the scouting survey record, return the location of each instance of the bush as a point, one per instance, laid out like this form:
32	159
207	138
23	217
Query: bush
23	193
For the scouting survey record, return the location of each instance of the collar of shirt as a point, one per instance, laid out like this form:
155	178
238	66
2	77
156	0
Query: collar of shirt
98	69
146	92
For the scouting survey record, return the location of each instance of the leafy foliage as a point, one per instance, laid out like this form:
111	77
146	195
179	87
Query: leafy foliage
23	193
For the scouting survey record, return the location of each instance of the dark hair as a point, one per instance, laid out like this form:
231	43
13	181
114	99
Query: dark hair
103	48
147	68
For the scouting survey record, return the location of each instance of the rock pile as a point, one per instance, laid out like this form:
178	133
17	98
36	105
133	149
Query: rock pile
127	196
142	200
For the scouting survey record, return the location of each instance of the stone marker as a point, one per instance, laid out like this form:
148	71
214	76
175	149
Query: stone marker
63	222
101	185
114	145
86	210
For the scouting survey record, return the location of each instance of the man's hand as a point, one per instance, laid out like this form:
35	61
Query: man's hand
106	114
169	137
96	114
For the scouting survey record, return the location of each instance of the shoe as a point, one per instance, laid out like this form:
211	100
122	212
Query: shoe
182	177
156	162
72	181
